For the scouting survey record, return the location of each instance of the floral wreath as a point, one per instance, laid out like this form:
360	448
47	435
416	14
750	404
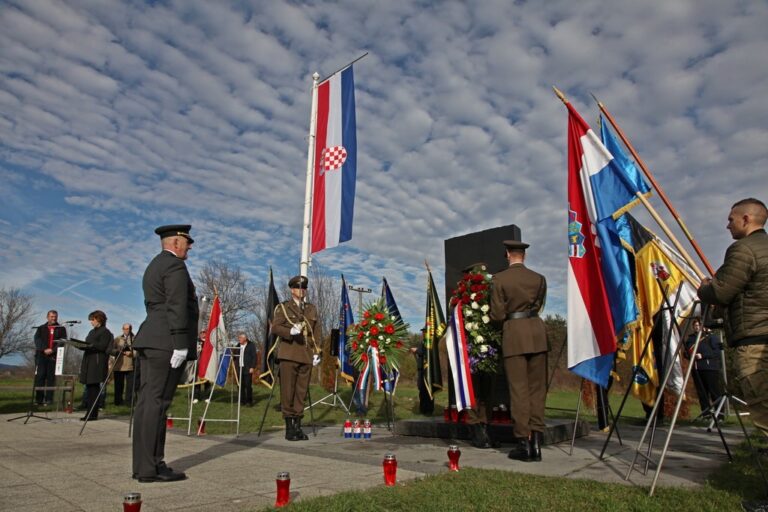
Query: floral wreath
378	335
473	292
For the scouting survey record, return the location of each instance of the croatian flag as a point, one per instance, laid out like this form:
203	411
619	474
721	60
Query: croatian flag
591	335
333	196
458	357
215	337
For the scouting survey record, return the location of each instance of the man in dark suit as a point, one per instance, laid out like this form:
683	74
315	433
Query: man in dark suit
517	296
296	324
247	364
165	341
45	356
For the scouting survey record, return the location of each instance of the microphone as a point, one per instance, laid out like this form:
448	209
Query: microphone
73	322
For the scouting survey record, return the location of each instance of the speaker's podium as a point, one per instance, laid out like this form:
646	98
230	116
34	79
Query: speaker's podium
460	252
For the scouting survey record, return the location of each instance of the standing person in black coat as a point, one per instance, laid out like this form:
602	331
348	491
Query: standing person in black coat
165	341
247	365
45	356
707	365
94	368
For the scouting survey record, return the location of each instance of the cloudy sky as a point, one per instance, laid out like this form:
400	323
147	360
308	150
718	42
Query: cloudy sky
117	117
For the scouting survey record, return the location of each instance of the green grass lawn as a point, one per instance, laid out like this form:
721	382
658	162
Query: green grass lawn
481	490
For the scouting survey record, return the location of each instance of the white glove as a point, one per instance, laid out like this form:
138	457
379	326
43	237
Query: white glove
296	329
315	359
178	357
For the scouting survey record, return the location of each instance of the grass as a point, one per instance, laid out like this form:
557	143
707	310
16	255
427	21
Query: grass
480	489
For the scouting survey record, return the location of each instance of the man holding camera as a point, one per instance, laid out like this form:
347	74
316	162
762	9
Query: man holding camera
740	285
296	324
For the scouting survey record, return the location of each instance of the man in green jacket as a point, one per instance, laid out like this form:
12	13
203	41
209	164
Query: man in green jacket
740	285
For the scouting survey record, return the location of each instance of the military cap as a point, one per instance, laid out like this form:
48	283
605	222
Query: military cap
298	282
175	230
470	268
515	245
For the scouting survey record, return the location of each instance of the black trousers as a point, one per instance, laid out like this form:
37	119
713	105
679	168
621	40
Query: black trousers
708	386
158	385
45	377
246	393
123	385
92	397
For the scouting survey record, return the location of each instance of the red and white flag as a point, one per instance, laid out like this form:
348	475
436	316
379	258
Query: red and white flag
215	337
591	339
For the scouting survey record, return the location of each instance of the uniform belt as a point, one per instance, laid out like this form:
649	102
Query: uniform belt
522	314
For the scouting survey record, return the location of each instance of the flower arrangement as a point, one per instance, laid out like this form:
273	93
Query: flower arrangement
473	292
378	334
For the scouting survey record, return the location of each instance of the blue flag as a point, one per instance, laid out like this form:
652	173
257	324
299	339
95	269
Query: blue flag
390	378
345	321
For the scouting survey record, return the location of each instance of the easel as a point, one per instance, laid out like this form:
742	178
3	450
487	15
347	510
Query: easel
337	369
231	366
636	369
673	419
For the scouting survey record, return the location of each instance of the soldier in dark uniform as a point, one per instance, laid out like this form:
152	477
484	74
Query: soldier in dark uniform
165	341
517	296
45	356
296	324
247	364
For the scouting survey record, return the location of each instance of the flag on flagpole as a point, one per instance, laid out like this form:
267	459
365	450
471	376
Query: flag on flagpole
659	272
390	379
335	162
433	330
346	319
591	332
458	356
266	376
215	339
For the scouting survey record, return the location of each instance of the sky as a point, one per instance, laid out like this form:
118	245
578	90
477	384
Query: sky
120	116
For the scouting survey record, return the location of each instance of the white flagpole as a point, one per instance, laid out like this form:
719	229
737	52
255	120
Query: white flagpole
305	257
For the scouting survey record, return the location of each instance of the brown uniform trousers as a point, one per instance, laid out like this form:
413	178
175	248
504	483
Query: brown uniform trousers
295	353
517	291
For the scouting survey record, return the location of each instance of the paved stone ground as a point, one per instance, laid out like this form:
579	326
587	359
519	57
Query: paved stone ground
47	466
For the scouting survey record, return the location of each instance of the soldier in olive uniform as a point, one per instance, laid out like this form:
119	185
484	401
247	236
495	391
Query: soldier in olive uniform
165	341
517	296
295	322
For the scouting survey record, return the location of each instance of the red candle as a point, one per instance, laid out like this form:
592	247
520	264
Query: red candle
447	414
200	427
390	469
168	422
454	414
283	489
132	502
453	457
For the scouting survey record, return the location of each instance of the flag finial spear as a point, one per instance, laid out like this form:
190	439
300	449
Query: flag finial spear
600	105
560	95
426	264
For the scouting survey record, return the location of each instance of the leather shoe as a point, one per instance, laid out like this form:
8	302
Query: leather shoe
164	468
170	476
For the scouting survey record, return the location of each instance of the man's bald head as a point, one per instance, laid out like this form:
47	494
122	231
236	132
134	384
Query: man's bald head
746	216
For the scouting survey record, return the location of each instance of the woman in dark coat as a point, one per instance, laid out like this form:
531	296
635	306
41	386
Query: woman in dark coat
93	369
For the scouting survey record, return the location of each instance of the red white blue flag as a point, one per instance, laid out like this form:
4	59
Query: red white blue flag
458	357
333	185
591	335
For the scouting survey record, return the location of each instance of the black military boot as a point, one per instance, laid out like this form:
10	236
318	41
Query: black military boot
299	434
290	431
536	440
521	450
480	437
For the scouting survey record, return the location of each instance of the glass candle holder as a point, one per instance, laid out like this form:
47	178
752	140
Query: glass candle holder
453	457
132	502
390	469
168	422
283	482
454	414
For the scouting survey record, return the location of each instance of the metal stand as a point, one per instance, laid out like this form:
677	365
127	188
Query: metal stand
31	412
337	401
213	387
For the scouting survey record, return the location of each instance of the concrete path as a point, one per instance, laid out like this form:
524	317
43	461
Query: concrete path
46	466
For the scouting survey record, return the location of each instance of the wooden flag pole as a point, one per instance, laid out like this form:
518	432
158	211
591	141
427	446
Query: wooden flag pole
687	257
659	190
